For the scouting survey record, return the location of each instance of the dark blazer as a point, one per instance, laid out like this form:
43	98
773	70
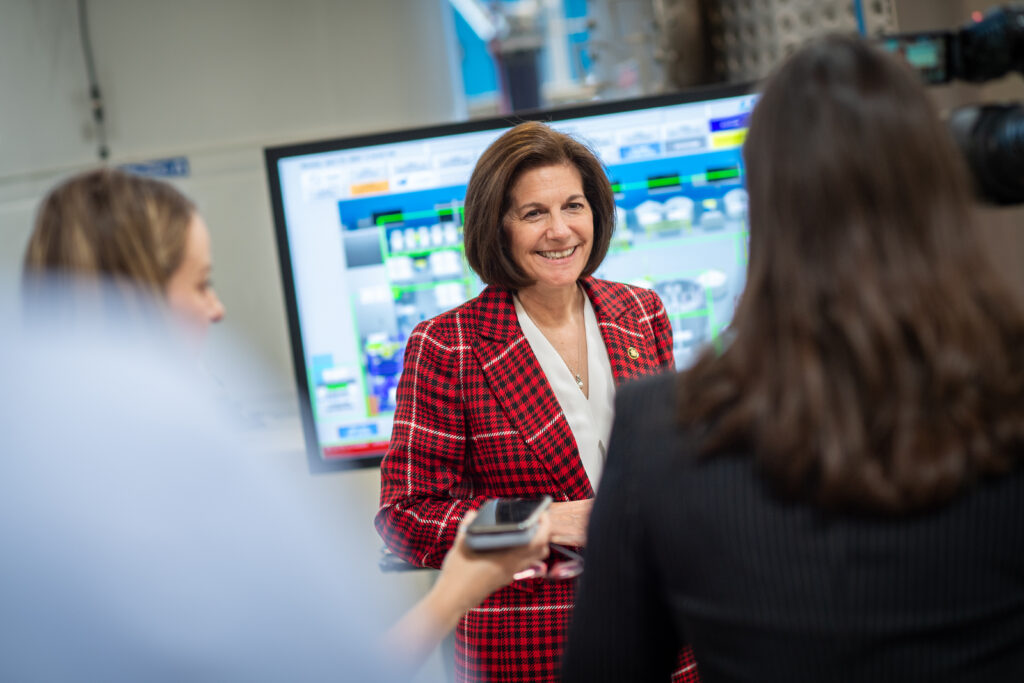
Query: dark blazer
477	418
702	551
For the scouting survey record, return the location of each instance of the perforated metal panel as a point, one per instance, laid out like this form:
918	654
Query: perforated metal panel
749	37
672	44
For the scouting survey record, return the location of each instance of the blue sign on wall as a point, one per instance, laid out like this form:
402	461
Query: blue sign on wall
173	167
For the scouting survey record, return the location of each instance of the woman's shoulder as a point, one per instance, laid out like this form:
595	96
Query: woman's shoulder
647	439
611	290
616	298
650	398
663	452
457	323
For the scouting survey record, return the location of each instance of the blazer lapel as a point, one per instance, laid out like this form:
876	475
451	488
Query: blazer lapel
630	341
520	386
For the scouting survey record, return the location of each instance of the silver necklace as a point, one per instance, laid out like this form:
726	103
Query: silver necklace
579	356
577	376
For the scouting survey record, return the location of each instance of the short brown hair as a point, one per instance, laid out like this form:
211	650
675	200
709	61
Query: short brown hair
528	146
876	356
110	223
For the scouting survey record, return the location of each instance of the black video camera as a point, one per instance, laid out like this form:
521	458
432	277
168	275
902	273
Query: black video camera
991	136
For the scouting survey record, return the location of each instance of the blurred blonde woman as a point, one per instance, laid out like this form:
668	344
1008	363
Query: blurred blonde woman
109	227
107	224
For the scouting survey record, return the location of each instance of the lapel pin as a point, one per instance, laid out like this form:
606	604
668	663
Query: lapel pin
633	353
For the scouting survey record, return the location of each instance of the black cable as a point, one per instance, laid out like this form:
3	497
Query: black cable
95	98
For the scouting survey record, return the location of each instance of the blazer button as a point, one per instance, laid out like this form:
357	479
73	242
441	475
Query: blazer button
633	353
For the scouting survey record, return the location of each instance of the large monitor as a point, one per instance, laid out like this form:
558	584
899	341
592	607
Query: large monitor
369	233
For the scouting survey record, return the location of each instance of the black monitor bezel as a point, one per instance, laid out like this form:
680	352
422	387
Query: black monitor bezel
274	154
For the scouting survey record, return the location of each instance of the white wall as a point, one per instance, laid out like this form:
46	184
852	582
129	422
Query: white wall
216	81
193	73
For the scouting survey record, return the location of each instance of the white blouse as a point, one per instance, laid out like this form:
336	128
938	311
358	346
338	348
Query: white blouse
589	418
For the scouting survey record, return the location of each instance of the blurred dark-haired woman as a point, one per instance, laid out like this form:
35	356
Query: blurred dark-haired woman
836	494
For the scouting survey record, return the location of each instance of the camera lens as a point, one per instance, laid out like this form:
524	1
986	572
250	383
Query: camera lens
992	139
992	47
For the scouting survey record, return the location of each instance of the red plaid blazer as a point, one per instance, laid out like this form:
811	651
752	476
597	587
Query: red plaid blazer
477	418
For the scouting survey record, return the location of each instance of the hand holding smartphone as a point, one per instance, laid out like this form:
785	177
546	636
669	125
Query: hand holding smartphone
505	522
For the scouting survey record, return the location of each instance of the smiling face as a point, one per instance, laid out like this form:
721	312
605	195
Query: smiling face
189	290
550	226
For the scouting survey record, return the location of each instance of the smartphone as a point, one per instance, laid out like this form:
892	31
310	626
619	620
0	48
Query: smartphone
505	522
563	563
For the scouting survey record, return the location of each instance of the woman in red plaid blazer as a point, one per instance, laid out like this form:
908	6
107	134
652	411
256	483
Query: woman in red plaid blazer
488	403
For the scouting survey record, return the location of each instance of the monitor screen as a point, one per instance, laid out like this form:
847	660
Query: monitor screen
369	233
